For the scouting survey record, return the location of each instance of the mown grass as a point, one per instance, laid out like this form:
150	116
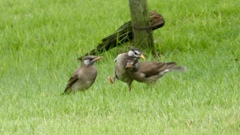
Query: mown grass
39	44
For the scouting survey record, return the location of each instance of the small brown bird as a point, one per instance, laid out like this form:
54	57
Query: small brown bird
148	72
83	77
121	72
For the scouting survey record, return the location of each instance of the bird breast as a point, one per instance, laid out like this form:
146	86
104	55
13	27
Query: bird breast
120	71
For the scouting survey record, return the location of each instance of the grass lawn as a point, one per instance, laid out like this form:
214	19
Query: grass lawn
41	40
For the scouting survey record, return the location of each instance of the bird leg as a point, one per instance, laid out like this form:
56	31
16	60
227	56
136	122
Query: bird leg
111	80
129	86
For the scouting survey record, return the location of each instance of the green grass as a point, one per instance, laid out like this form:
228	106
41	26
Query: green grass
41	40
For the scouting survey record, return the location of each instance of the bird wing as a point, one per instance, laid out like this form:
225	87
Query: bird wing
153	68
73	79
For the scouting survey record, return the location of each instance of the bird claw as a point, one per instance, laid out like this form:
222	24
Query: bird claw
110	80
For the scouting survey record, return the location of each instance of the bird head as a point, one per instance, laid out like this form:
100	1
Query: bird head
136	53
89	60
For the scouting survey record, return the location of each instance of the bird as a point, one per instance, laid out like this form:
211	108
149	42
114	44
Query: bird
149	72
84	76
120	70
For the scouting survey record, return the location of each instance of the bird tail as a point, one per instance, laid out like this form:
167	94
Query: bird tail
177	68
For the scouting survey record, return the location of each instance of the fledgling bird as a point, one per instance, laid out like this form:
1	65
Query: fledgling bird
83	77
120	71
148	72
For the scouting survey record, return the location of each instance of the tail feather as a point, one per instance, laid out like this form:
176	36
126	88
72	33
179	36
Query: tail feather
178	68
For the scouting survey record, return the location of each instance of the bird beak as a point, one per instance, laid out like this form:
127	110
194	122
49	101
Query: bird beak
142	57
97	58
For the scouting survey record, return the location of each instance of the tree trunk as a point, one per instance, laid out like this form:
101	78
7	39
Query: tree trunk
142	31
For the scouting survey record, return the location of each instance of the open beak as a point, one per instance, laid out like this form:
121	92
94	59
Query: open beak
97	58
142	56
